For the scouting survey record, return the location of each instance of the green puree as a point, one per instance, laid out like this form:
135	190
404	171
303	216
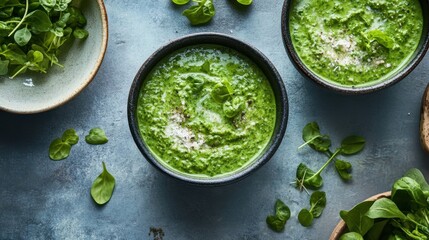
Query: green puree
353	42
206	110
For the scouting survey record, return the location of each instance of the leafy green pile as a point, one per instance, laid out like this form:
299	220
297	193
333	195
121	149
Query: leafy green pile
404	216
203	11
307	178
32	33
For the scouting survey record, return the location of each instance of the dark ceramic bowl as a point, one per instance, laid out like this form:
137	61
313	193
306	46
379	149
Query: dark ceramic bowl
354	90
254	55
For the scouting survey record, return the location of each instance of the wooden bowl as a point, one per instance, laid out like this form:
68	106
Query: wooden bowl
341	226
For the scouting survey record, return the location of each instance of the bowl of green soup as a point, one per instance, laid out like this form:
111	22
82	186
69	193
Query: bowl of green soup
207	109
358	46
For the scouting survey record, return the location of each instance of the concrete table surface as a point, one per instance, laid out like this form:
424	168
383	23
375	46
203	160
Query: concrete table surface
43	199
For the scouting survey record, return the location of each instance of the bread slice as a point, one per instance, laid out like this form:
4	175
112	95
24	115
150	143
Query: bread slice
424	121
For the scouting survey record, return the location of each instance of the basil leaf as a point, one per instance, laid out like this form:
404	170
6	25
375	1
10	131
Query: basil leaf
180	2
103	186
352	145
305	217
351	236
96	136
201	13
384	208
245	2
318	203
70	136
22	36
59	150
356	218
343	169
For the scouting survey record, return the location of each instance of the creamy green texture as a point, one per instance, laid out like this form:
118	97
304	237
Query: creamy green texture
355	42
206	110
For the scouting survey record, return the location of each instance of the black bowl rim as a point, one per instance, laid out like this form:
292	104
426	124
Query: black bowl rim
227	41
307	73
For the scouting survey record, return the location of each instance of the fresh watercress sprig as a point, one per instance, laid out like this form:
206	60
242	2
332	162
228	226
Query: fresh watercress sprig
278	221
103	186
307	178
60	148
317	204
96	136
32	33
203	11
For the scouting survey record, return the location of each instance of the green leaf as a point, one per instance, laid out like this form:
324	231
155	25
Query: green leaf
305	218
22	36
417	175
275	223
407	194
351	236
70	136
384	208
201	13
39	21
282	211
245	2
103	186
61	5
278	221
4	67
79	33
96	136
381	37
343	169
312	136
307	177
222	91
48	4
59	150
356	218
375	232
318	203
352	145
180	2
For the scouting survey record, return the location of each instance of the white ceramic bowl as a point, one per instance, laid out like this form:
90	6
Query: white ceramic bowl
34	93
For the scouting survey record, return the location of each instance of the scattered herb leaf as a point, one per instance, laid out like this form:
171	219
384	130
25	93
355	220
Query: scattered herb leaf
200	13
96	136
305	217
245	2
278	221
180	2
103	186
60	148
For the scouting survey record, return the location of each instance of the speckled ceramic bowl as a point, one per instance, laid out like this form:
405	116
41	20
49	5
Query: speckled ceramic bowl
254	55
366	88
34	92
341	226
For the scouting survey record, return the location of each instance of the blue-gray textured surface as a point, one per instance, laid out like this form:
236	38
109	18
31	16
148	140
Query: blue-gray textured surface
43	199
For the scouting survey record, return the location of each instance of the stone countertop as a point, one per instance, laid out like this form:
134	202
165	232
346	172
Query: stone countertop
43	199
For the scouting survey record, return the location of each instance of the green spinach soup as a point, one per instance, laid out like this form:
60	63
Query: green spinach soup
355	42
206	110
